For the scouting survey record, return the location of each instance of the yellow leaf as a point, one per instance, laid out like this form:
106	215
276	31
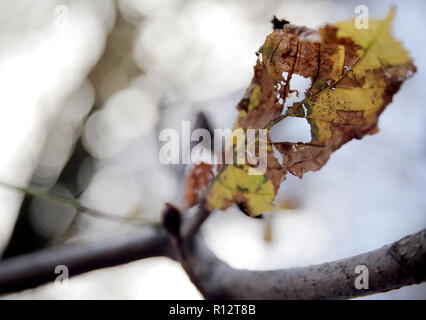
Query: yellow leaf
254	192
339	78
254	98
346	106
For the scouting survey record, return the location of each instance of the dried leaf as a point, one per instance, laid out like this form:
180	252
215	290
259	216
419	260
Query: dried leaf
339	78
254	193
197	182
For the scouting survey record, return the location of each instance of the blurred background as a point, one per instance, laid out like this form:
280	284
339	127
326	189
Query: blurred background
86	87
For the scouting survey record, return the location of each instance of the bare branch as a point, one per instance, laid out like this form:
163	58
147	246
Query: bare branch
34	269
192	224
390	267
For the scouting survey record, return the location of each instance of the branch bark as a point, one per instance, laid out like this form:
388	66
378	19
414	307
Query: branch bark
393	266
390	267
34	269
192	224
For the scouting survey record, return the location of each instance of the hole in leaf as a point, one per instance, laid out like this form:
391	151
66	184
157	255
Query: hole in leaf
291	129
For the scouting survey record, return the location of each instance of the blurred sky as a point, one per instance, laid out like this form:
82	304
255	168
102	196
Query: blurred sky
168	59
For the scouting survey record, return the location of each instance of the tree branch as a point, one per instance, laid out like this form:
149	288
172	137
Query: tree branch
390	267
192	224
34	269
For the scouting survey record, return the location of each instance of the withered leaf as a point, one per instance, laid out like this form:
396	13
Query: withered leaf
197	182
339	78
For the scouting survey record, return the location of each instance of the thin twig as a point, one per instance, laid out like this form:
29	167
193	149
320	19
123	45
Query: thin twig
71	202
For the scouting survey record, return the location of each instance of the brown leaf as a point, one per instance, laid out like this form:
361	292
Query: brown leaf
338	78
196	183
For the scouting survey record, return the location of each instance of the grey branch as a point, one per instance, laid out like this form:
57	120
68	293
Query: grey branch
390	267
31	270
192	224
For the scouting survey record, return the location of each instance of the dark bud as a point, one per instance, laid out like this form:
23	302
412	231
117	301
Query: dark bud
172	219
278	23
243	208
